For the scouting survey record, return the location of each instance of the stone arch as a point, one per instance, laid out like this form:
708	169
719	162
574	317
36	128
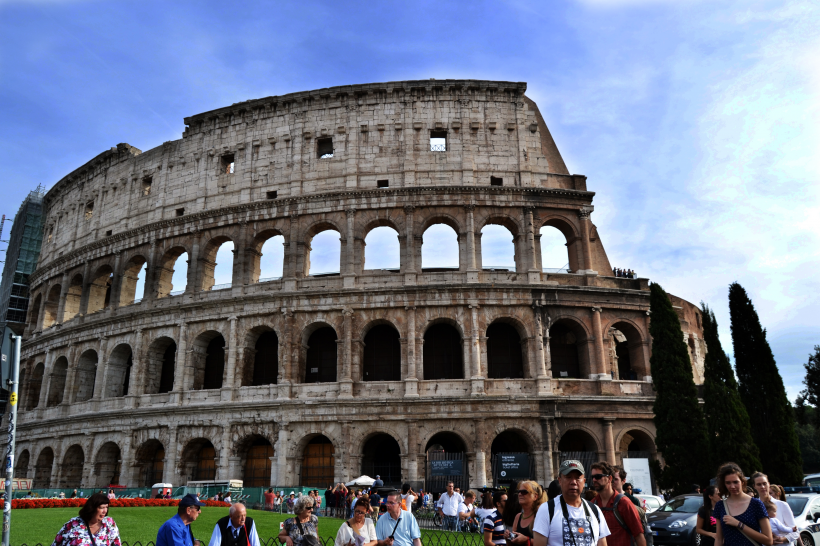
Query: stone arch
444	445
571	236
439	246
318	465
506	349
71	471
259	243
443	350
381	456
381	351
209	263
383	255
578	438
260	359
56	386
450	440
73	297
569	348
507	442
311	233
626	348
34	312
160	363
198	460
107	465
35	385
86	375
99	289
440	218
51	306
321	354
208	360
42	470
23	460
255	452
130	278
150	458
118	372
495	249
165	271
636	438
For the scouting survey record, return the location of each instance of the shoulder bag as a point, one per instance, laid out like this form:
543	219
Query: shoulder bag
750	539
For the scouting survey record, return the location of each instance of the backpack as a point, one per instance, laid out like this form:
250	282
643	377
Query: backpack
647	532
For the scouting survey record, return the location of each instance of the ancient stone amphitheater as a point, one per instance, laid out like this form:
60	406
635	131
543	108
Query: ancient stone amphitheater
303	379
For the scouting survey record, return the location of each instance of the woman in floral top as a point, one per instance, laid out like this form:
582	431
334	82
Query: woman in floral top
93	527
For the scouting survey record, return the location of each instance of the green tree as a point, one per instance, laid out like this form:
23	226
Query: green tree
811	393
762	391
681	427
727	422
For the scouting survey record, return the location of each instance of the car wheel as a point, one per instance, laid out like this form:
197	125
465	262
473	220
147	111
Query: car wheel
808	540
696	538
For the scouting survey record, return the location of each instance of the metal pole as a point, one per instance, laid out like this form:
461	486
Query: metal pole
15	373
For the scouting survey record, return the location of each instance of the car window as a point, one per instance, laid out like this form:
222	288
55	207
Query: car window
688	505
652	503
797	504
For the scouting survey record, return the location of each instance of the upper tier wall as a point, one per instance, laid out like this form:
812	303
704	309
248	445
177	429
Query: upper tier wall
378	132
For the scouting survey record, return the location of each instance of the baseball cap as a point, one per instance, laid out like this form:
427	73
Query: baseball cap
190	500
569	465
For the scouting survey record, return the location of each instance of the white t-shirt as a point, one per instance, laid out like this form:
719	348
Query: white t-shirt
785	515
408	501
464	508
482	513
558	532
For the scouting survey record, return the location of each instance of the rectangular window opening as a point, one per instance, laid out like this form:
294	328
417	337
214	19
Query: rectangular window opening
496	181
270	194
180	212
324	148
382	183
89	210
109	233
438	141
228	163
146	185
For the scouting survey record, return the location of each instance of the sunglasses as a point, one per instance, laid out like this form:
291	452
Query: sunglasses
523	492
358	513
598	476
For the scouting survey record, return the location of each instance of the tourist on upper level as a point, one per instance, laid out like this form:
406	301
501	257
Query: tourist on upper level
93	526
303	528
448	507
177	530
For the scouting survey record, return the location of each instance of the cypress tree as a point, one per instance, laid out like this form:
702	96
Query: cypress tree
761	389
811	394
727	422
681	427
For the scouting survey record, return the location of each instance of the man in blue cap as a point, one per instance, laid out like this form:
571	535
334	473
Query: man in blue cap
177	530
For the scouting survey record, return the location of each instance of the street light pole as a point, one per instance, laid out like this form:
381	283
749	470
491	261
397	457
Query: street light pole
13	384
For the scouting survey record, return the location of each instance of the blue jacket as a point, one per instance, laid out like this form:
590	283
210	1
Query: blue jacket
175	533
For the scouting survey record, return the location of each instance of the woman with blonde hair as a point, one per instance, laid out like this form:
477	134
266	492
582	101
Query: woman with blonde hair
782	511
742	520
530	496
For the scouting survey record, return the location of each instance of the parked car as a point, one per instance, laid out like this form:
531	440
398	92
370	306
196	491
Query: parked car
811	480
650	502
806	510
674	522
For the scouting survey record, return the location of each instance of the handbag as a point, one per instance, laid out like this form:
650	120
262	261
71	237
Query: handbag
753	541
308	540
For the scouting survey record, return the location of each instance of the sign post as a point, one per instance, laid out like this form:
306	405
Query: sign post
637	471
13	384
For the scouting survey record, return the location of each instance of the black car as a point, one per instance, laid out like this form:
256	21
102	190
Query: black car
675	521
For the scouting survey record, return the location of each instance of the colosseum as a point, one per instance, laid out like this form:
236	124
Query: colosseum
297	378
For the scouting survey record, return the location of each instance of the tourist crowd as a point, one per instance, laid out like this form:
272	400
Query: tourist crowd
625	273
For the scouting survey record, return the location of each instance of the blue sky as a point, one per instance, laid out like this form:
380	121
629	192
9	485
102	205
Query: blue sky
697	122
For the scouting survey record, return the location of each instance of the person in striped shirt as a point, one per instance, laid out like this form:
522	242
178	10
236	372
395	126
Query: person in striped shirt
494	523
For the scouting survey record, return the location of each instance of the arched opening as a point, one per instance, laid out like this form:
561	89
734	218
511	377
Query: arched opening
199	460
497	246
161	360
208	361
318	463
626	352
42	470
446	461
504	352
217	264
73	297
257	467
118	374
320	361
71	474
21	468
439	249
172	273
34	313
637	444
56	386
556	254
86	376
578	445
266	359
566	338
151	460
381	456
35	385
512	459
107	466
269	265
52	305
381	360
99	291
382	249
133	281
442	353
324	253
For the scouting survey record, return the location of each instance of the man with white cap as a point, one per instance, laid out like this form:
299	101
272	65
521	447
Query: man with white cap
569	520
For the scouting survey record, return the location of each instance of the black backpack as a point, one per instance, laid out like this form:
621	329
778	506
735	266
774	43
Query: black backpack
647	533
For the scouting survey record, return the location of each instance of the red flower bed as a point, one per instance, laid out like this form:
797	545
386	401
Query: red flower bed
17	504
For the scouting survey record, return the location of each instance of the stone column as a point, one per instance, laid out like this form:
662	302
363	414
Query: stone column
274	471
546	433
411	381
228	380
349	275
472	270
102	366
646	346
152	274
60	304
609	441
223	469
602	373
410	246
42	315
169	471
85	293
412	453
282	449
346	383
116	282
583	215
542	379
343	462
71	374
285	374
477	379
55	468
193	284
291	259
480	454
46	384
127	464
240	275
533	273
181	359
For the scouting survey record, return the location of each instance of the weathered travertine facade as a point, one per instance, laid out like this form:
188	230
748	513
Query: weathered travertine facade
223	382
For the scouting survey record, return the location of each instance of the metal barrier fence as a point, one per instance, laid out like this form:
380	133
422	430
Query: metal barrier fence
437	539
